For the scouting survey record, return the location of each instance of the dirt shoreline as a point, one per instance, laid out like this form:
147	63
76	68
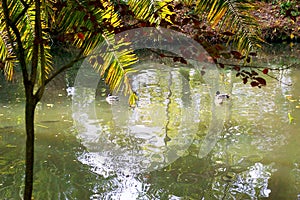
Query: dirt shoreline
276	27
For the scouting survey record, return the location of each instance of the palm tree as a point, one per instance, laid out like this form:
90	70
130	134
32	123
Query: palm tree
27	28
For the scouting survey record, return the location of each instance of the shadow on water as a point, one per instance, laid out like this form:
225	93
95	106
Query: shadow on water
257	156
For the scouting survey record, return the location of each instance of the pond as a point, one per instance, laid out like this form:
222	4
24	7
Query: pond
177	143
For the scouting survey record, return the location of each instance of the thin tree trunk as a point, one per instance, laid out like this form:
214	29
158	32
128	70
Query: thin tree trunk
29	118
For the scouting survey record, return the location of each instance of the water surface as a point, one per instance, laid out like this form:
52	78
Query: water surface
152	151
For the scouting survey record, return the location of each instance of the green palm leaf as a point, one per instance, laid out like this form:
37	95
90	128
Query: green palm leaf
26	25
151	10
112	59
7	58
234	16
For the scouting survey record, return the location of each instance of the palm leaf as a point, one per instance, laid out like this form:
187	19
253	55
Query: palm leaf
7	58
233	16
113	60
26	24
151	10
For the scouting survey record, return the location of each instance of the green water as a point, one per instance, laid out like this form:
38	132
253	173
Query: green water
152	151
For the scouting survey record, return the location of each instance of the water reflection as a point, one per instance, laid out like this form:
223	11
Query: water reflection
153	134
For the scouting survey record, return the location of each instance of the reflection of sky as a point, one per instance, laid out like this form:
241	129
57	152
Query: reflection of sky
253	180
124	187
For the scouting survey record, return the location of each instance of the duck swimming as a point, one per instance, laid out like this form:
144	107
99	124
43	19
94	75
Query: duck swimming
220	98
112	99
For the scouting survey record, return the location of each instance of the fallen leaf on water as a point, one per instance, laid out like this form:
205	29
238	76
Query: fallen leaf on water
42	126
291	119
11	146
288	96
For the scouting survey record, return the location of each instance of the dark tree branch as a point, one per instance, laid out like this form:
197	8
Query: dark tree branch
79	57
242	66
43	59
273	77
257	67
36	42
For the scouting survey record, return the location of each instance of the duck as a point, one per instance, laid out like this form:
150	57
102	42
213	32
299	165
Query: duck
110	99
220	98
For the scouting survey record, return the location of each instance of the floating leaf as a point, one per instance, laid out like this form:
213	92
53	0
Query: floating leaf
11	146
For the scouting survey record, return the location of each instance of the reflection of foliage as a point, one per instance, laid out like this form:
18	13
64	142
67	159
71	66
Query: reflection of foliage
58	173
225	172
11	163
191	178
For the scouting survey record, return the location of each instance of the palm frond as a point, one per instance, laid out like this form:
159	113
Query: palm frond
113	60
90	22
93	32
7	58
151	10
234	16
25	24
